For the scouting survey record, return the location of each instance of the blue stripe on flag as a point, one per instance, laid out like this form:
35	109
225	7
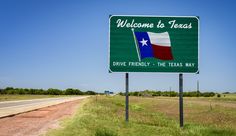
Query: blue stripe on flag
144	44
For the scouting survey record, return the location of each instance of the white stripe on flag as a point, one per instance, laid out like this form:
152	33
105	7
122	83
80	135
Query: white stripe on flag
161	39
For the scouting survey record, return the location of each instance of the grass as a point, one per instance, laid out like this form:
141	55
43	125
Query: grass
25	97
104	116
227	97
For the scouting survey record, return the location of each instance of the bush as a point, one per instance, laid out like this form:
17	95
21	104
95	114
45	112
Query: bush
122	94
90	93
169	93
208	94
105	132
71	91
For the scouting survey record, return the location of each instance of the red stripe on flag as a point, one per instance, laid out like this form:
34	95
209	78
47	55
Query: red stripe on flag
162	52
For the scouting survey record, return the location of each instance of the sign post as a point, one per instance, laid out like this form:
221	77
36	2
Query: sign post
165	44
181	112
127	97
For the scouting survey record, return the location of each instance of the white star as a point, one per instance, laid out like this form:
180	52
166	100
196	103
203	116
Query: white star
144	42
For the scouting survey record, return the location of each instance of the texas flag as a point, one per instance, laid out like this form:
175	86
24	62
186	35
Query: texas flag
155	45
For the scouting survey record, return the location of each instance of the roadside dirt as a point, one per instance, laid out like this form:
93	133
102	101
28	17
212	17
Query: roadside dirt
37	122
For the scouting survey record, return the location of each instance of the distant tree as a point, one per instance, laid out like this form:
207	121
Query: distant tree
11	92
193	94
170	93
40	91
165	93
90	93
173	94
52	91
21	91
1	91
9	88
71	91
198	93
120	93
208	94
78	92
135	93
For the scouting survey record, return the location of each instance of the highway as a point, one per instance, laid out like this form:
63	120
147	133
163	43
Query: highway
9	108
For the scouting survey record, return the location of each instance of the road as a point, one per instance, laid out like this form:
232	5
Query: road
37	122
9	108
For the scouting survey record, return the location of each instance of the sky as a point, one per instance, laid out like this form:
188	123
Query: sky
64	44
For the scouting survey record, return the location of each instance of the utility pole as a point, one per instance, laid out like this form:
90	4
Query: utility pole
198	85
198	92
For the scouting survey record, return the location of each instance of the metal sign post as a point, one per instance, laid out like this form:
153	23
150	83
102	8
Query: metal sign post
181	112
127	97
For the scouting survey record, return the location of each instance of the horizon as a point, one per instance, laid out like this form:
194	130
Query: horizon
117	91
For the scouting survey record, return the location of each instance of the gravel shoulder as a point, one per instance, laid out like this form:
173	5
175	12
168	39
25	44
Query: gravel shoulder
37	122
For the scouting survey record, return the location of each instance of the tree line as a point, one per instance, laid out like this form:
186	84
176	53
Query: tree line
50	91
171	93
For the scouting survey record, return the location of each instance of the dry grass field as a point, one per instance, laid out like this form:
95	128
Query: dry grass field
104	116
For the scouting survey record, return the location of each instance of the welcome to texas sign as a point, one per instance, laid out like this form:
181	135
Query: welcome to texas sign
153	44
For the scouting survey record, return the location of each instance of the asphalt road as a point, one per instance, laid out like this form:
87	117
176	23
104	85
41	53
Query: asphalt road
9	108
26	102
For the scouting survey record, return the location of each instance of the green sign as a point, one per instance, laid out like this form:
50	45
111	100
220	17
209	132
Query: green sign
154	44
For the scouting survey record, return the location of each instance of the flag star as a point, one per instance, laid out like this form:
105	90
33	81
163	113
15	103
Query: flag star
144	42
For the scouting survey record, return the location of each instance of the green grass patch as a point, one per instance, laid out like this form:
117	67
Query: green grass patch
104	116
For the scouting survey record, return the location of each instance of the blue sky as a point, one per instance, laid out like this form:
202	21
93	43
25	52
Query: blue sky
64	43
